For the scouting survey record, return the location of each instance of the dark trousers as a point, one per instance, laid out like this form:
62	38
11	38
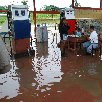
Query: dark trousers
61	36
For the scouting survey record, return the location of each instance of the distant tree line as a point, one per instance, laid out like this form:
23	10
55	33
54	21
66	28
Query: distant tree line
50	8
3	7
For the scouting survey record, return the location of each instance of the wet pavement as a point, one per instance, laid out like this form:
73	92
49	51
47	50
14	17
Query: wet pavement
48	77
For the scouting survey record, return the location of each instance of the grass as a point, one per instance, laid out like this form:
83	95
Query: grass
2	19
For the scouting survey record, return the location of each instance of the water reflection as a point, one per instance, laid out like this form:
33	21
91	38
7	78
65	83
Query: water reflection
82	67
92	71
9	84
91	67
25	72
47	72
48	77
40	72
42	49
47	67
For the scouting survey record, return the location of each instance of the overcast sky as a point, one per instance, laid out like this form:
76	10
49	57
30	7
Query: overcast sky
59	3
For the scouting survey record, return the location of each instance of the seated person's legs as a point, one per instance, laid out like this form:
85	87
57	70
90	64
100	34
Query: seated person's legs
61	36
89	49
86	44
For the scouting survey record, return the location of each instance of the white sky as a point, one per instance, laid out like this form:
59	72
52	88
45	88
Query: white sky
58	3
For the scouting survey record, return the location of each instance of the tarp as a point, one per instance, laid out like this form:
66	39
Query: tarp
4	55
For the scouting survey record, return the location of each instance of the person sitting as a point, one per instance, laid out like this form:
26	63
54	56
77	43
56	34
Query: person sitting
82	31
92	41
78	32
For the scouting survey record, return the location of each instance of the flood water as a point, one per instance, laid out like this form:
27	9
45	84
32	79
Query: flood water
48	77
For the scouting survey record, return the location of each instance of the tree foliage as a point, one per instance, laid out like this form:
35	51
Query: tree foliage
76	3
3	7
24	2
50	8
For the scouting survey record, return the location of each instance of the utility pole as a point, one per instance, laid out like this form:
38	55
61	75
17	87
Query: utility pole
100	3
72	3
34	16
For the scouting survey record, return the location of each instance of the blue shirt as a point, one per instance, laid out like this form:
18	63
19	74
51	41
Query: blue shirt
78	34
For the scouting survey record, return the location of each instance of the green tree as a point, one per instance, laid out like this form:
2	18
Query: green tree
24	2
3	7
76	3
50	8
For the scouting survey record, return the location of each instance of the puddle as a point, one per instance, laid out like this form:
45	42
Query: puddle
47	76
